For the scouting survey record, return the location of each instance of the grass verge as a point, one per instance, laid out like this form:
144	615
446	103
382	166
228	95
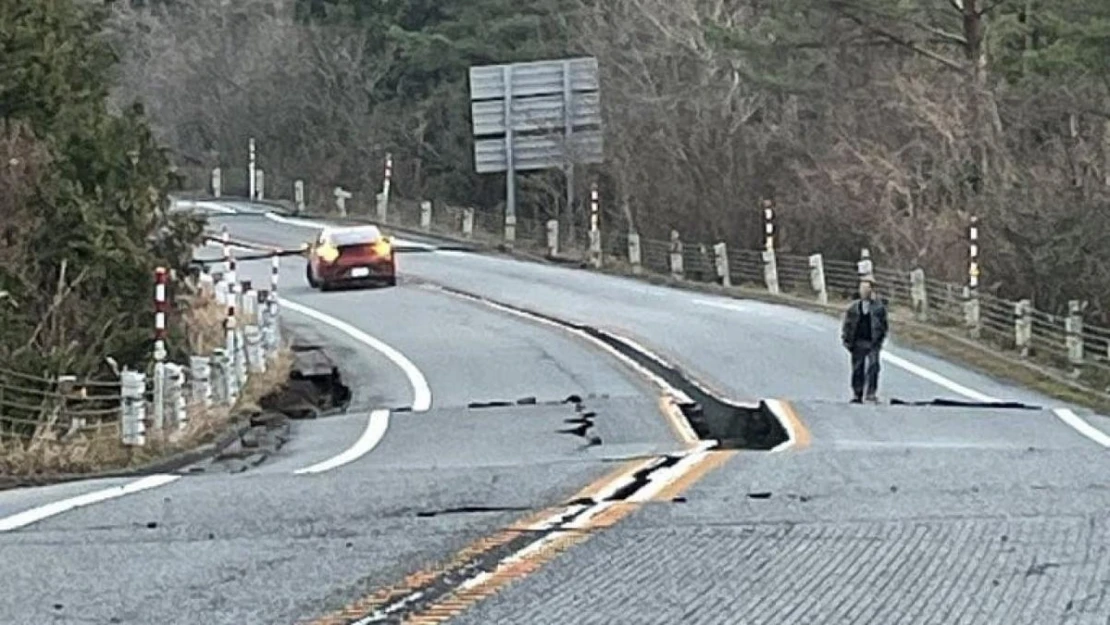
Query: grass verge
97	448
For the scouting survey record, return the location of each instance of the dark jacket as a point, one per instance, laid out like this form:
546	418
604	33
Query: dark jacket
879	323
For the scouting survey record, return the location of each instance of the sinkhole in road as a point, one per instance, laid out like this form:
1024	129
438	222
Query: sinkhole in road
733	425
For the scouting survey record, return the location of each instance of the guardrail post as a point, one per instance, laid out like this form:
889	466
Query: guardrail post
133	408
175	394
260	183
720	255
1074	340
552	238
216	182
256	360
298	195
222	382
1023	326
817	277
864	266
426	215
919	295
635	254
200	380
468	222
341	197
677	270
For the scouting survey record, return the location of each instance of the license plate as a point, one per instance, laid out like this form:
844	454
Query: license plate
360	272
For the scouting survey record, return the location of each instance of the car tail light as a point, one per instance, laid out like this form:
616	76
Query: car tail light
381	247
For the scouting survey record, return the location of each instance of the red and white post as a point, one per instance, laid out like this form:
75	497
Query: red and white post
595	225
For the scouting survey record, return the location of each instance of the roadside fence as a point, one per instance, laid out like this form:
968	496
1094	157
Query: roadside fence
1078	351
162	401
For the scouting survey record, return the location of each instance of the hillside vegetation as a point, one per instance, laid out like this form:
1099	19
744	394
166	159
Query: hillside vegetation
82	199
879	123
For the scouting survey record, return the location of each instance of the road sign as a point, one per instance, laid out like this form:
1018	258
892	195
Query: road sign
535	115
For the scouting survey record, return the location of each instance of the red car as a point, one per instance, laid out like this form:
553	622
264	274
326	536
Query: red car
355	255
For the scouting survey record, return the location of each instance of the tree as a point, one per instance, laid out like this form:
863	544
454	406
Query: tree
87	190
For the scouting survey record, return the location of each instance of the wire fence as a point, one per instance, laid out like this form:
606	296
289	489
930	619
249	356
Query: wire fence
103	420
1079	350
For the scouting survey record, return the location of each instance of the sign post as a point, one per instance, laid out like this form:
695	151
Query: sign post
533	116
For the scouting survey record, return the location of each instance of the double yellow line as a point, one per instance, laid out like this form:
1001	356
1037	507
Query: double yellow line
544	550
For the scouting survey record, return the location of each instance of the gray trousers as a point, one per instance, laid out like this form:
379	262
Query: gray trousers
865	369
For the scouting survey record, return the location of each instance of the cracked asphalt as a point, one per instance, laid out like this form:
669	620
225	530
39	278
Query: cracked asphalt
889	513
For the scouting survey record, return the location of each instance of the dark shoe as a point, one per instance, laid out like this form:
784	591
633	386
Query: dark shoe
857	400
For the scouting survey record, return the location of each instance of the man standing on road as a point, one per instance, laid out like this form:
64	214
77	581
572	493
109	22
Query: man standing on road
862	333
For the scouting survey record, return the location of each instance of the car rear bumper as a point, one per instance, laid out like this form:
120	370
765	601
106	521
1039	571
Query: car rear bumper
357	272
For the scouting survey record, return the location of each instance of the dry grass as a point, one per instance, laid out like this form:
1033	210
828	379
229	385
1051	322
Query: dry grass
98	448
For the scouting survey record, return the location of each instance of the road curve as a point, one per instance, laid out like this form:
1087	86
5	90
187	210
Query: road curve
879	514
915	514
353	502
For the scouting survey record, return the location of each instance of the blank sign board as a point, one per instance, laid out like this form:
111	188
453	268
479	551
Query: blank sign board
533	78
531	152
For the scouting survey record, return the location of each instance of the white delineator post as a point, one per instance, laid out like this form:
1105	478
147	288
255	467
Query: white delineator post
1073	326
387	182
133	405
972	312
468	222
595	226
260	183
552	238
216	182
250	167
426	215
919	294
676	256
817	278
1023	326
160	347
720	256
200	380
770	265
298	195
635	253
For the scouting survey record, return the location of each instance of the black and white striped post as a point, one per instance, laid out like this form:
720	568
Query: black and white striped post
973	317
160	307
770	265
595	225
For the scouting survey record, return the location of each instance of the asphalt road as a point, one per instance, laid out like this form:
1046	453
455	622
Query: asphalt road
876	514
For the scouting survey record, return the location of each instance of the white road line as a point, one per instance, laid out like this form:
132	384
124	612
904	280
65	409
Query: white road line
1086	429
687	432
935	378
27	517
376	427
421	393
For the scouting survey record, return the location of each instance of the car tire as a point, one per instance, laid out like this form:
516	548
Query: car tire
391	281
308	276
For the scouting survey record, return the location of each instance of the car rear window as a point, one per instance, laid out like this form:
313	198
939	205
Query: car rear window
355	237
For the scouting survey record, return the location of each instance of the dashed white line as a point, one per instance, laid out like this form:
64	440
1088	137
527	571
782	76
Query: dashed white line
376	427
27	517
